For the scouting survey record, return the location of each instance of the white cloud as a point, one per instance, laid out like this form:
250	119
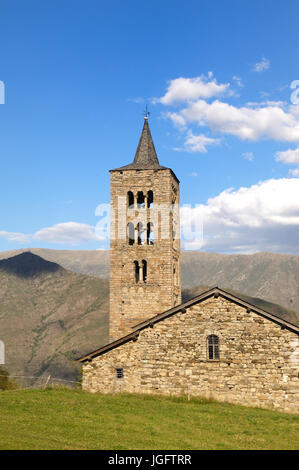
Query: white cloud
263	217
197	143
177	120
254	121
264	94
288	156
188	89
295	172
266	122
15	236
257	104
68	232
137	100
264	64
248	156
238	81
71	233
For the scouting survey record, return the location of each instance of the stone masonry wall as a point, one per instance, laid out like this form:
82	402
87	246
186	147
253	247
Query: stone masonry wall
258	365
131	302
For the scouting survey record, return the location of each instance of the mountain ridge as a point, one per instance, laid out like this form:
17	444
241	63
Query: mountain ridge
49	315
273	277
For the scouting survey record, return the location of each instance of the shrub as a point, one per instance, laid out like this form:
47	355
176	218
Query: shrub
5	382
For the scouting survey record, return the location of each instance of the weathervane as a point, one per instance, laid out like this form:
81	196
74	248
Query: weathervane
146	112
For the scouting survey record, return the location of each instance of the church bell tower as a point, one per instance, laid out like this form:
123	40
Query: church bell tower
145	274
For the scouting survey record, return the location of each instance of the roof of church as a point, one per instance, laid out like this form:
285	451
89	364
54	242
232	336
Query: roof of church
146	156
215	291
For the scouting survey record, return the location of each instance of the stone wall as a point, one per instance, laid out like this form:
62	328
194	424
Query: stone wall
258	364
132	302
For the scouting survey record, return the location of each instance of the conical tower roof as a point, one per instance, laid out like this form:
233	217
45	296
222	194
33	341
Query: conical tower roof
146	156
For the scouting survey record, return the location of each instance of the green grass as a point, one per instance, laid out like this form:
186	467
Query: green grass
70	419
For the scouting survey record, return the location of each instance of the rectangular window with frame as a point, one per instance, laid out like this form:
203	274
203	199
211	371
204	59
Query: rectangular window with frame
119	373
213	348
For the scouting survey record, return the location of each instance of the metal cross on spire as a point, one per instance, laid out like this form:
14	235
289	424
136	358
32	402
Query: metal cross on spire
146	112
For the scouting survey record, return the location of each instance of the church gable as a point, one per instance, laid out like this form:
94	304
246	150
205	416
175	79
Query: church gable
215	347
182	308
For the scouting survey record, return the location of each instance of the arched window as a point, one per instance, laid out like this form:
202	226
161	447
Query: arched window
213	347
140	234
174	220
136	271
144	270
131	233
150	199
173	232
150	233
140	200
171	225
130	200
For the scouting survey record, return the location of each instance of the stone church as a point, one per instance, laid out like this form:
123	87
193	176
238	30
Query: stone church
215	345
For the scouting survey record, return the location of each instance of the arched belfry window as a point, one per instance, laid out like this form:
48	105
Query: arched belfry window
140	200
213	347
137	276
130	200
131	233
144	270
173	229
140	234
150	199
150	233
140	271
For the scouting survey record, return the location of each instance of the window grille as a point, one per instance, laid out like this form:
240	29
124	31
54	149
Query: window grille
213	348
119	373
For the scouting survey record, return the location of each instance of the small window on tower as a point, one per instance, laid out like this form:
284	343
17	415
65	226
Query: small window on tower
119	373
174	228
131	233
144	270
140	200
150	233
136	264
150	199
130	200
140	234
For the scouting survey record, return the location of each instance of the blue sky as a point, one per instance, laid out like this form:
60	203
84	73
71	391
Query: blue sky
217	77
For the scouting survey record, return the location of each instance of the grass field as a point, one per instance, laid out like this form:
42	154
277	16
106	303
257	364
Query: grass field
70	419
